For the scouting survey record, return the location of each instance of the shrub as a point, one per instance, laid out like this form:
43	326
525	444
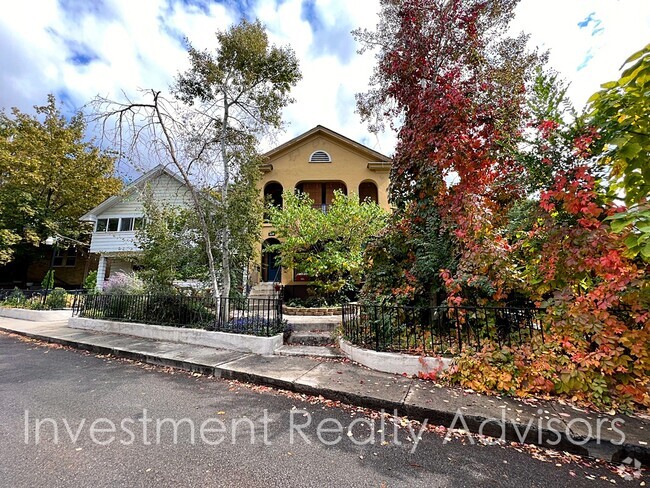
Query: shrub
48	280
56	299
180	311
90	283
552	369
121	283
254	325
15	299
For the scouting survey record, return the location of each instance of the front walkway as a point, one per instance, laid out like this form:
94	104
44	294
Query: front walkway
621	438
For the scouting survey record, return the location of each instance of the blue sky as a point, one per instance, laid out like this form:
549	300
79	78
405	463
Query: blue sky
80	48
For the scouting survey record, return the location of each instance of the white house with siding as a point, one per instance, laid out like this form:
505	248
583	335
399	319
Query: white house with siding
117	219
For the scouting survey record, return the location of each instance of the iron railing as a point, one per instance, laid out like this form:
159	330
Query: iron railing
438	330
252	316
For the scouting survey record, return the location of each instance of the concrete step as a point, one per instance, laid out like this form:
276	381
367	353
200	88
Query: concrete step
314	351
311	338
313	322
312	327
259	296
264	286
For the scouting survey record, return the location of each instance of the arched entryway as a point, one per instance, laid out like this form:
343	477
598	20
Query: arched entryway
271	270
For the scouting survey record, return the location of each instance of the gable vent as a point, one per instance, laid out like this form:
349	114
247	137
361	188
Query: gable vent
320	157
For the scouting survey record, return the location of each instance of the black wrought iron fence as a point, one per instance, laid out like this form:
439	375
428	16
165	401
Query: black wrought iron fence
437	330
252	316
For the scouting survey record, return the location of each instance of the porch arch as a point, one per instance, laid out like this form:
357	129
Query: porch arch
368	191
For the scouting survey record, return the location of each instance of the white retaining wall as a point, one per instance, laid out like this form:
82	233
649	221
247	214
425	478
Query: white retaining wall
199	337
390	362
35	315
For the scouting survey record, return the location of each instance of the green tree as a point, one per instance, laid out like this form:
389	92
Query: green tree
50	175
328	247
244	86
621	112
48	280
171	246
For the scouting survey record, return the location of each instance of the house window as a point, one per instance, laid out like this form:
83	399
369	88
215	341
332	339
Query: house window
320	157
124	224
113	225
272	196
322	193
368	192
65	258
101	225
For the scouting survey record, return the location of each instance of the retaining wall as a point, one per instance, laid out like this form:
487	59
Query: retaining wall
35	315
391	362
199	337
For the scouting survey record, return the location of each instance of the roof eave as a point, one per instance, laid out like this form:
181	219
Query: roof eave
331	133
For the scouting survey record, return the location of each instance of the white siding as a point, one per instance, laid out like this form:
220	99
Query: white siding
165	190
113	242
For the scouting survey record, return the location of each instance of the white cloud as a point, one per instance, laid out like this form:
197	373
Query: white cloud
139	45
553	25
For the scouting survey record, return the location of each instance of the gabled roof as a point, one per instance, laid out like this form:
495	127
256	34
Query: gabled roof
130	188
319	129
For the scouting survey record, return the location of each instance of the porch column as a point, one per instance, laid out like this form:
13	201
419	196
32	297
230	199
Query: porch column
101	273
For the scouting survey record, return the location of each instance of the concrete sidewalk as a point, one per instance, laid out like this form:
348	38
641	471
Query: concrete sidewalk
619	439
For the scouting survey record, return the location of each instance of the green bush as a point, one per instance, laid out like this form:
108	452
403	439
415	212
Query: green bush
56	299
48	281
15	299
177	310
90	283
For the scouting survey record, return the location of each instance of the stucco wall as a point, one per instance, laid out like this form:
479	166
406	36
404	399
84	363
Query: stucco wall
349	165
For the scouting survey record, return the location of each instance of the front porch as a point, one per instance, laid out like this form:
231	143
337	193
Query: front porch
110	263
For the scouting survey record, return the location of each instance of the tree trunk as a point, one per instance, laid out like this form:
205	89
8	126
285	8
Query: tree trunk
197	203
225	233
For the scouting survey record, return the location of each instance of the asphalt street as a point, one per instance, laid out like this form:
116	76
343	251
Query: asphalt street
70	418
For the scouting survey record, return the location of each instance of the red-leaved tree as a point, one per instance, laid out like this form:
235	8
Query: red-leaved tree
452	83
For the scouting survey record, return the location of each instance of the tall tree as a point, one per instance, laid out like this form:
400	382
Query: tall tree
246	84
453	84
50	175
209	131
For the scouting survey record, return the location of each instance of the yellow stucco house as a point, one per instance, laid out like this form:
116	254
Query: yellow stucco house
318	163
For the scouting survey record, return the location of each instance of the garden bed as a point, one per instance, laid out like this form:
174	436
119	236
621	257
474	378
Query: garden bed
287	310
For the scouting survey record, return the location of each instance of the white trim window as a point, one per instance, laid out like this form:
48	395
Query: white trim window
119	224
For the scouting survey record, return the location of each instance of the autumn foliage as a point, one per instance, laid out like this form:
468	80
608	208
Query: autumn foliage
497	200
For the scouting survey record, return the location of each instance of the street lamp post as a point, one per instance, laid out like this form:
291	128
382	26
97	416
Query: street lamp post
53	241
50	241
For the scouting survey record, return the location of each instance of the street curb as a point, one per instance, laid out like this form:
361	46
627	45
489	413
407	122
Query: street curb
605	451
119	353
